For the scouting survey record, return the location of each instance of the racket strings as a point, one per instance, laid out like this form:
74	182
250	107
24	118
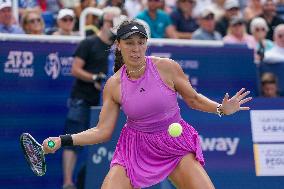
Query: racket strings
34	155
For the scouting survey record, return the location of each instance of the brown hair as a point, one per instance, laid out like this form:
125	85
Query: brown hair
25	18
118	61
268	77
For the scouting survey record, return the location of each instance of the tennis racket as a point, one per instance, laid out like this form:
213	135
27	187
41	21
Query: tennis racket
34	153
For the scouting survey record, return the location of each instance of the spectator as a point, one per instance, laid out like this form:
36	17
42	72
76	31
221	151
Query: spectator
32	22
91	30
232	9
259	29
165	6
113	3
65	22
269	85
280	9
270	16
207	27
6	19
200	5
237	33
252	10
28	5
170	4
243	4
183	20
49	10
159	22
276	54
280	2
133	7
218	9
51	6
90	19
71	4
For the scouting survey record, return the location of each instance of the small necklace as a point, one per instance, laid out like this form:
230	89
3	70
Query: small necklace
138	70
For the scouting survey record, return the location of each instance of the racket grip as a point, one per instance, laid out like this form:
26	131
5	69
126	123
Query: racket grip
51	144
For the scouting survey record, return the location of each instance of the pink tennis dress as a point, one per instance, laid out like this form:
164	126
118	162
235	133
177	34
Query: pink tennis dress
145	149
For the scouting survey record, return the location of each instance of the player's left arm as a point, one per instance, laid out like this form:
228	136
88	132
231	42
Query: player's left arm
199	102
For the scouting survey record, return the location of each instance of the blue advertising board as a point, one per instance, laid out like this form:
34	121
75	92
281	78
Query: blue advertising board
213	71
35	84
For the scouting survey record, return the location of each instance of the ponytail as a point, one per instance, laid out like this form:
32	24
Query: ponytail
118	61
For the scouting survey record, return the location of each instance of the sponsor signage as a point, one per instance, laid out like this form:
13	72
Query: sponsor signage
269	159
267	125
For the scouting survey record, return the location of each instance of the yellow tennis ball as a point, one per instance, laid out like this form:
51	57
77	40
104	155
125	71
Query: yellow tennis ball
175	129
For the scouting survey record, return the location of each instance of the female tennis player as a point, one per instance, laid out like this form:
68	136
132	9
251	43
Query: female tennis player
146	88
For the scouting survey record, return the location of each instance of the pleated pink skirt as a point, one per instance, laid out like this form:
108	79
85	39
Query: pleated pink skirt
149	158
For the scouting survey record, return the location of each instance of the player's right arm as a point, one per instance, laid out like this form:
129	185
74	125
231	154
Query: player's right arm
105	126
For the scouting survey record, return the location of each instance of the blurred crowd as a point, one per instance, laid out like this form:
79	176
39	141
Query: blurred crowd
259	24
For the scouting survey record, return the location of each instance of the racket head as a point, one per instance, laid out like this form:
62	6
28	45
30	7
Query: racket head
33	153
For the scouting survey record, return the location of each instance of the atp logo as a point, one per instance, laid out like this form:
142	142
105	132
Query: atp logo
52	66
20	63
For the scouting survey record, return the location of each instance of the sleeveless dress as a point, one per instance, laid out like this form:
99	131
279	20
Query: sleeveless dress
145	149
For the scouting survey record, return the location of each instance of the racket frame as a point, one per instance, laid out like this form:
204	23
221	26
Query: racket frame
31	165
